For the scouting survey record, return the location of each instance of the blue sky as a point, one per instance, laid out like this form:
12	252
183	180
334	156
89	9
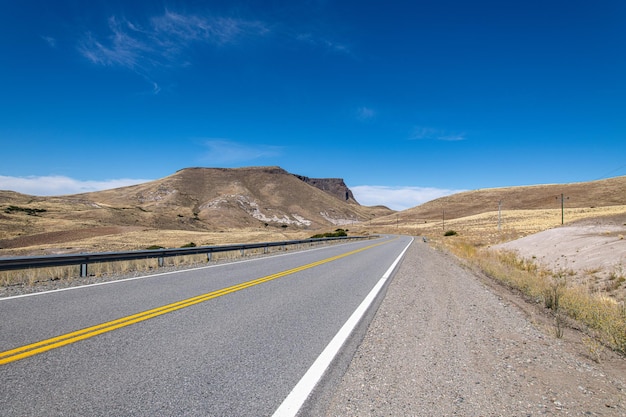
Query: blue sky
405	100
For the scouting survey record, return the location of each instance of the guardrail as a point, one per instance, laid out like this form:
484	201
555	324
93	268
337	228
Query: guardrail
84	259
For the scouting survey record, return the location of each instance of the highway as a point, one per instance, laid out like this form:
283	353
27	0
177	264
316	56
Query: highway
222	340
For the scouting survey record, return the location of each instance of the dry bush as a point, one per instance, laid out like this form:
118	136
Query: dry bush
600	313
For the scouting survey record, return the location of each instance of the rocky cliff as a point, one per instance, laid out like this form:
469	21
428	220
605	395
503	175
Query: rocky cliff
333	186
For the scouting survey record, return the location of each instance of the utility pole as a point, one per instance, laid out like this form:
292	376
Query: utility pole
562	207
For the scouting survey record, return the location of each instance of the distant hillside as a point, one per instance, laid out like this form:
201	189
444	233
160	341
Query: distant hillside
608	192
192	199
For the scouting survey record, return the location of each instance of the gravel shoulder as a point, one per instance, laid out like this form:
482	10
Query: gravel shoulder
448	341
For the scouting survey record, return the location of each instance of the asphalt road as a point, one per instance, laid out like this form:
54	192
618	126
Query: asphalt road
229	349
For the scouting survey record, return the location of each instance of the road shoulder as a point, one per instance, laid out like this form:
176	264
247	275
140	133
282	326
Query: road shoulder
444	342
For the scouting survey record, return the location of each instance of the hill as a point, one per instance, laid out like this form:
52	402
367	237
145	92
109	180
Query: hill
479	217
602	193
193	200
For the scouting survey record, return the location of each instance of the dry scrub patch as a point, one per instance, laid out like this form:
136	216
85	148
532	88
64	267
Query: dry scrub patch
585	263
128	240
134	238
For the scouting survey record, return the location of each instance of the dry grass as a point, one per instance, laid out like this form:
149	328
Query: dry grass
604	317
69	274
140	238
482	229
598	304
171	213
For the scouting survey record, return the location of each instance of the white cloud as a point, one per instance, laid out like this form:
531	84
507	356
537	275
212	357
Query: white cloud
322	42
164	40
223	151
52	42
397	198
429	133
365	113
60	185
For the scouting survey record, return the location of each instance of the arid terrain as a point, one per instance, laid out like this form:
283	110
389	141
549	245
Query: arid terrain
206	206
414	359
212	206
448	341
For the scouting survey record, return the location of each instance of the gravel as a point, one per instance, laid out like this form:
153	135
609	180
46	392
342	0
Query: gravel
446	341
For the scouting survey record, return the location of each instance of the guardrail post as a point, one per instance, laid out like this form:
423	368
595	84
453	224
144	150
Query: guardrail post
242	252
83	270
161	261
208	256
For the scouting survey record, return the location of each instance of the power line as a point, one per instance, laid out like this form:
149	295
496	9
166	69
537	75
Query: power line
609	173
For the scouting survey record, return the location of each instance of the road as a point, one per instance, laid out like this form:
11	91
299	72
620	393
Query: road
222	340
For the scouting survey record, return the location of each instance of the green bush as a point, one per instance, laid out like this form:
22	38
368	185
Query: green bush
336	233
450	233
155	247
189	245
29	211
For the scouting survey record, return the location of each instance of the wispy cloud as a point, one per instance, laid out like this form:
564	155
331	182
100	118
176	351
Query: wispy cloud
429	133
223	151
397	198
163	41
323	42
166	40
52	42
60	185
365	113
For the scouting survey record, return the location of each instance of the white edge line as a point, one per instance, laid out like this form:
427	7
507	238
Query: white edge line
293	402
117	281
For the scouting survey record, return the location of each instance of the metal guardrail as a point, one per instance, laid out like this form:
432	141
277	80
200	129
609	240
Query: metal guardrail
84	259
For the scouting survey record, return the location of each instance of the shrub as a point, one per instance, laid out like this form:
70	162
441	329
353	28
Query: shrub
600	313
155	247
189	245
336	233
450	233
29	211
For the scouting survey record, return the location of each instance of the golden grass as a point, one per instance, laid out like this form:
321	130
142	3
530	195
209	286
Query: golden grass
144	238
599	306
482	229
602	315
32	277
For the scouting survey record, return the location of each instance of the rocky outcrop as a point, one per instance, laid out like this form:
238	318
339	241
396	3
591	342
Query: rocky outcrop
333	186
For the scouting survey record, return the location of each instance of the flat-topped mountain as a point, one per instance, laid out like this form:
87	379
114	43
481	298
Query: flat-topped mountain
192	199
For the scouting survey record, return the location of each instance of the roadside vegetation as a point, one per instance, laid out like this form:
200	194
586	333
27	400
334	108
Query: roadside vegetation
603	317
336	233
70	275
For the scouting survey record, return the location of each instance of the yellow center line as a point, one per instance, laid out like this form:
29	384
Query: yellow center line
72	337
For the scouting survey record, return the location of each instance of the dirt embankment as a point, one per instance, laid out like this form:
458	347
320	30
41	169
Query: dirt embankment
590	252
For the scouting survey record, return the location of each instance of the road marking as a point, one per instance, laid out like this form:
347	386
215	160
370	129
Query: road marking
86	333
296	398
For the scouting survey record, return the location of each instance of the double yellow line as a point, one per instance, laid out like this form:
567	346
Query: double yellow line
68	338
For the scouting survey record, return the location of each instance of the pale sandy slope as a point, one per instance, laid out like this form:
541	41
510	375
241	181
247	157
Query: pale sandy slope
588	246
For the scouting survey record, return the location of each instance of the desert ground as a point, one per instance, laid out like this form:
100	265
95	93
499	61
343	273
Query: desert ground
592	250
